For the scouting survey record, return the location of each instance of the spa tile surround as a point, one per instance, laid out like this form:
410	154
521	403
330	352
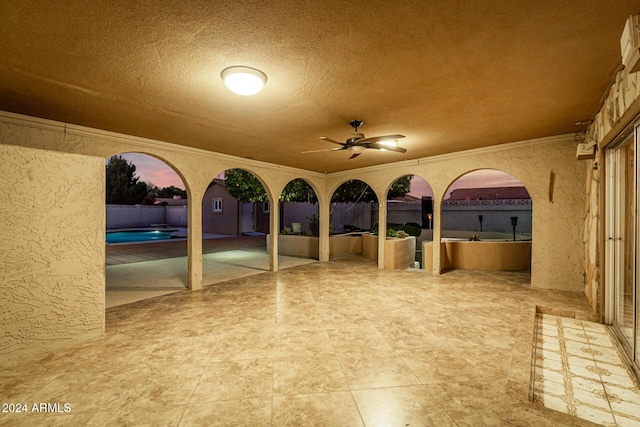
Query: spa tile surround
339	343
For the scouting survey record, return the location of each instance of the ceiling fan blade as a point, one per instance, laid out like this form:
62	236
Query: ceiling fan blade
326	149
331	140
354	155
378	138
386	147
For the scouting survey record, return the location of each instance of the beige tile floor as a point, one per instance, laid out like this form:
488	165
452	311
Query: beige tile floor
336	344
137	281
579	371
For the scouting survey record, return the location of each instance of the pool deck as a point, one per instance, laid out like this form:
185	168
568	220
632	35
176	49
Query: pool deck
136	272
117	254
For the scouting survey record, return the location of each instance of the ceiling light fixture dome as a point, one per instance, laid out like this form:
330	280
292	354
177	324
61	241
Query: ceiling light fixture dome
244	81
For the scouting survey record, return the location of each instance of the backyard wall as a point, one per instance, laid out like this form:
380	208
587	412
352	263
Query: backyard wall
357	215
463	214
177	215
130	216
52	252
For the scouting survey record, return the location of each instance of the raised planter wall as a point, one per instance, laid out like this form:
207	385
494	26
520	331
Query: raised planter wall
345	244
299	246
483	255
399	253
370	246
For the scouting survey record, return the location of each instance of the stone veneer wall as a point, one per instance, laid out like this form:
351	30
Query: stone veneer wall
620	107
51	249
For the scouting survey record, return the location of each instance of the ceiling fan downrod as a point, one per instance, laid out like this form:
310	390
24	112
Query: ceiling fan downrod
356	124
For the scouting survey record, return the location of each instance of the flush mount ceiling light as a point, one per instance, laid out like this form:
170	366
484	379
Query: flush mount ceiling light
244	81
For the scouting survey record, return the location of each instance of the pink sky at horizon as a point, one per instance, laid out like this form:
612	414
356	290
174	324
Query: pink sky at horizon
153	170
160	174
482	178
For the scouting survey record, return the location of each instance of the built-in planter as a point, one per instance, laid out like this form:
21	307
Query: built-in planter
482	255
295	245
343	244
399	252
370	246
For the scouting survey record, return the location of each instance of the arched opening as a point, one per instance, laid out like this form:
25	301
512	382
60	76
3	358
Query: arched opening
410	212
486	223
299	222
235	223
146	229
350	214
351	206
236	211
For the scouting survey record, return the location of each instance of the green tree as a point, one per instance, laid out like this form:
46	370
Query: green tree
123	186
298	190
244	186
356	191
400	187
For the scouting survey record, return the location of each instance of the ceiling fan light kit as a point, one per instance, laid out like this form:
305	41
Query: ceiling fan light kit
357	143
389	143
245	81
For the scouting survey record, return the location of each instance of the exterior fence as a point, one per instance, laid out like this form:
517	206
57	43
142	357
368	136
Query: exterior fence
464	214
130	216
456	215
357	215
496	215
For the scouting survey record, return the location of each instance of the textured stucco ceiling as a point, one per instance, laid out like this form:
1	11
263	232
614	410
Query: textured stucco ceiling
450	75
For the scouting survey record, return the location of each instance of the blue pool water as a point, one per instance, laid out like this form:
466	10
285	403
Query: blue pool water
137	236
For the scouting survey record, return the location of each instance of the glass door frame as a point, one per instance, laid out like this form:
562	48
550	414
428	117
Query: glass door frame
614	246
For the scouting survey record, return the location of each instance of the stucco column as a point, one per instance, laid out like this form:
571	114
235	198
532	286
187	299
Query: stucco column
382	232
323	250
436	233
194	242
274	230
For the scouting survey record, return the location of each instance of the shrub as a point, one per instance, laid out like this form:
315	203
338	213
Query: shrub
412	229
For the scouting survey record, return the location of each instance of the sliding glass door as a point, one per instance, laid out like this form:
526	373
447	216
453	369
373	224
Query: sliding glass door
623	239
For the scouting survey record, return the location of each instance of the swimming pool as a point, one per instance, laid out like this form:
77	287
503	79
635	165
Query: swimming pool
132	236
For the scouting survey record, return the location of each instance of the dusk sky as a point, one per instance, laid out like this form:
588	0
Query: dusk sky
153	170
482	178
157	172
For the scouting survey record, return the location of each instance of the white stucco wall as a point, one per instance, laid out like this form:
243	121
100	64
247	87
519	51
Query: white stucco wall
51	250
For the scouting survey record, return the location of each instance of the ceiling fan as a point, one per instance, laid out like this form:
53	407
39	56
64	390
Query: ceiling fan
357	143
